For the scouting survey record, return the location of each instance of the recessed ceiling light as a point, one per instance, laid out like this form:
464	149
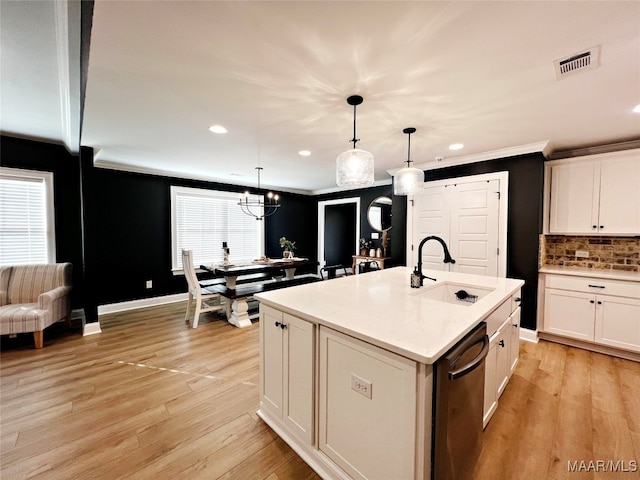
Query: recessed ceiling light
217	129
637	109
456	146
304	153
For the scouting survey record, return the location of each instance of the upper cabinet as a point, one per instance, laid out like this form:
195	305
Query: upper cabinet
595	195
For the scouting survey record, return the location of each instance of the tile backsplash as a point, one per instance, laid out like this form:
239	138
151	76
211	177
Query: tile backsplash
605	253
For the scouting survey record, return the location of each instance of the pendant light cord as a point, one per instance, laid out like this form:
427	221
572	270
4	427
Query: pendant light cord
354	139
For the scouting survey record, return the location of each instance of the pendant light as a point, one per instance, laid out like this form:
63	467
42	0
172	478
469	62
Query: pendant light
354	168
408	180
258	207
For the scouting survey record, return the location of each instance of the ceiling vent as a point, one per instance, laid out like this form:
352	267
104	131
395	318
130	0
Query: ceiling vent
578	62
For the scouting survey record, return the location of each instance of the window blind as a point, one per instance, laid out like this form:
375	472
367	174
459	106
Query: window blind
23	220
203	219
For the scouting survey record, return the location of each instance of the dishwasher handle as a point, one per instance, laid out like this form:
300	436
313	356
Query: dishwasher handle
453	374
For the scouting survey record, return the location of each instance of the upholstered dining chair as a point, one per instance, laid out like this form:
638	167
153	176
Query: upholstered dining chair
205	300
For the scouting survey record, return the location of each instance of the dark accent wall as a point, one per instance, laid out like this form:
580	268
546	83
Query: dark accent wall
133	237
524	219
398	233
46	157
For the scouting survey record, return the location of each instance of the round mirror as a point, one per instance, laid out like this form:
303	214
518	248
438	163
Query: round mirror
379	214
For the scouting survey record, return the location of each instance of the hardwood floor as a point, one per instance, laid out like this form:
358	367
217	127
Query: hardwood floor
151	398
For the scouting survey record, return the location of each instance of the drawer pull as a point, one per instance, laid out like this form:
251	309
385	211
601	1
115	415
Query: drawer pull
596	286
501	343
518	299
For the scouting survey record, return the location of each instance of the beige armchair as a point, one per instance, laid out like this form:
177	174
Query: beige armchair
32	297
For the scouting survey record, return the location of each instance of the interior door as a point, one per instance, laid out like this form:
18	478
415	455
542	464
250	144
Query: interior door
338	231
474	227
339	234
432	217
466	216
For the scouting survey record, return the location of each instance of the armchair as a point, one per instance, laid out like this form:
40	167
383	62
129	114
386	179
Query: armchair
32	297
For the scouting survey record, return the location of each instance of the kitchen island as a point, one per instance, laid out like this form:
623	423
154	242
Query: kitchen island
347	365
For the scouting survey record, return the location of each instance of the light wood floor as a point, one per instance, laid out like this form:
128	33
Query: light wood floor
151	398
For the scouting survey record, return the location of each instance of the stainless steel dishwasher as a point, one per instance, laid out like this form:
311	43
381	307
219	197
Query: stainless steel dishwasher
459	398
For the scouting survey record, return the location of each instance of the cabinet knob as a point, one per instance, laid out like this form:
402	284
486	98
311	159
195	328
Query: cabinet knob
601	226
592	301
599	302
594	226
501	343
278	324
518	299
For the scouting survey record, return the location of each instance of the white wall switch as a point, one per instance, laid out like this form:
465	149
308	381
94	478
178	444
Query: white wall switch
582	254
360	385
149	284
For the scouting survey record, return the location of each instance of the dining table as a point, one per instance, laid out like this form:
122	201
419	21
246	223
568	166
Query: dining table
275	265
258	275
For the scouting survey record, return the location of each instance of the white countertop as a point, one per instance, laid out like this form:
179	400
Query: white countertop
590	272
381	308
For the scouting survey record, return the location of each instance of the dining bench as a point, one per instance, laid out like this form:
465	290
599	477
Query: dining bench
237	307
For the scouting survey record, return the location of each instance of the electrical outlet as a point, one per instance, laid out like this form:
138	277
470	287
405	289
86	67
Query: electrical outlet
149	283
582	254
360	385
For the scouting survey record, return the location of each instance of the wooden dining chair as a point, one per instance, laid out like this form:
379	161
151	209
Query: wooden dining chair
205	300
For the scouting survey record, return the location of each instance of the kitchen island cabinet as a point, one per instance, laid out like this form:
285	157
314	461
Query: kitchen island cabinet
375	345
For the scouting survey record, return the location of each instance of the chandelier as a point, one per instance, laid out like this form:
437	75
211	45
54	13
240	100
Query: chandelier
354	168
408	180
259	207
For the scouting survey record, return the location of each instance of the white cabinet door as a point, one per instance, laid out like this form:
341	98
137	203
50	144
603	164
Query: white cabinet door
514	343
618	322
287	375
367	408
503	357
271	345
298	378
570	314
490	382
620	196
574	197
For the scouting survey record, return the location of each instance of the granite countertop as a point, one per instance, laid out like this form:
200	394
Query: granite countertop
592	273
381	308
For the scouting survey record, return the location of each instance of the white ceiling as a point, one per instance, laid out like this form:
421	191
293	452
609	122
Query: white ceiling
277	75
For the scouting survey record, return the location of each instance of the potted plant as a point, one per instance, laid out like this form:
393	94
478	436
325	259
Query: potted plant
364	247
288	247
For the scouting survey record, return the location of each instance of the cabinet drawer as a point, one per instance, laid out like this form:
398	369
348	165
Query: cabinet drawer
498	317
593	285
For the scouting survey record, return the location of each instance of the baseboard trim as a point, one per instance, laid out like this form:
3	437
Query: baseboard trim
142	303
594	347
91	328
529	335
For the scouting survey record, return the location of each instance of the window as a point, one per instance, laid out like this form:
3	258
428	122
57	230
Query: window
202	219
27	234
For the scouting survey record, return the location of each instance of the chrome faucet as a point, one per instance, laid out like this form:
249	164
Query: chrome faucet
417	277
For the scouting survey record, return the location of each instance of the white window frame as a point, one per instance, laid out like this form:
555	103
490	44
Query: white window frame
176	256
47	179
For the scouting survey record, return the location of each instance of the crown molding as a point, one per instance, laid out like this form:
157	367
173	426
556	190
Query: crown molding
543	147
108	165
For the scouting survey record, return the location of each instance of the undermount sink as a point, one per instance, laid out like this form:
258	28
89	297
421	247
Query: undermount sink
454	293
